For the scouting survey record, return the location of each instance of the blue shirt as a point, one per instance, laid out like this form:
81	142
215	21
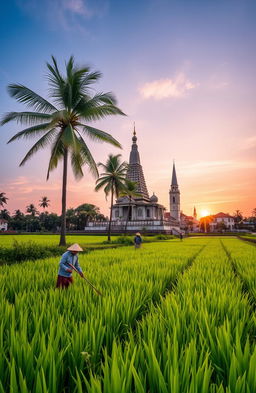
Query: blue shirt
137	240
67	258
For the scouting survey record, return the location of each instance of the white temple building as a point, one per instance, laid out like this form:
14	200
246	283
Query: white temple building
144	213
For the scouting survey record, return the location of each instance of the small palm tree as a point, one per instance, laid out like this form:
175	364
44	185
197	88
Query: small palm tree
113	180
44	202
131	192
18	214
5	214
62	124
3	199
31	209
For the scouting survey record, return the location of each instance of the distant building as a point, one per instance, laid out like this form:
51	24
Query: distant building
3	225
221	221
189	223
144	213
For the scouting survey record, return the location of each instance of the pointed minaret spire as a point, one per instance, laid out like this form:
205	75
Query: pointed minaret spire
135	171
174	194
174	177
195	213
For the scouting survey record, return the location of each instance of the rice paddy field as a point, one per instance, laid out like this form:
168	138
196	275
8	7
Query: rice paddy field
175	317
51	240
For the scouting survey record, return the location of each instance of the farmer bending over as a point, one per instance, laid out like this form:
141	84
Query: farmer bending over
69	257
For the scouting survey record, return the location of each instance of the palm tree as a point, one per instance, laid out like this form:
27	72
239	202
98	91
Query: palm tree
5	214
18	214
130	191
3	199
85	213
44	202
62	124
31	209
113	180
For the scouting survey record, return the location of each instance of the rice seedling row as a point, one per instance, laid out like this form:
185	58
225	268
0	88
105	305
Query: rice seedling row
196	340
49	337
243	259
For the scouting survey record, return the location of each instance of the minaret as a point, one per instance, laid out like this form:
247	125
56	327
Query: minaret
135	171
195	213
174	196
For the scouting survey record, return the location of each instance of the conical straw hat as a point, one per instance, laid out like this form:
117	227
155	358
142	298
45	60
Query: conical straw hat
75	247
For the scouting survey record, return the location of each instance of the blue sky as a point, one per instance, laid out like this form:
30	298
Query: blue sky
184	71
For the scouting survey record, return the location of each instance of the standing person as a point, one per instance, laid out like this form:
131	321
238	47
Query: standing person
137	240
181	236
69	257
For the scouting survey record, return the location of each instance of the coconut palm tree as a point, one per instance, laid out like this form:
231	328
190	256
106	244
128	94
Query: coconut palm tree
131	192
113	180
3	199
44	202
32	209
64	123
5	214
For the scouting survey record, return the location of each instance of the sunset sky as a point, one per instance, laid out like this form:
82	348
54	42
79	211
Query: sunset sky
183	70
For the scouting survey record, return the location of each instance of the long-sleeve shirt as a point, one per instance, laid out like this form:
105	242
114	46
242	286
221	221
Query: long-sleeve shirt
67	258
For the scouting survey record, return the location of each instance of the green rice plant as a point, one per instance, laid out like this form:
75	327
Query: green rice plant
198	339
243	259
51	338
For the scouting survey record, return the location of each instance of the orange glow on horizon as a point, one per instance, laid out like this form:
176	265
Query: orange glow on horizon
204	213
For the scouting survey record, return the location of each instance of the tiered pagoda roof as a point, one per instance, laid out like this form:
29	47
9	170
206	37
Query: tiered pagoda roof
135	171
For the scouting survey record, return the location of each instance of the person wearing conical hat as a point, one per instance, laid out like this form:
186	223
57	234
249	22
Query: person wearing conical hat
70	257
137	240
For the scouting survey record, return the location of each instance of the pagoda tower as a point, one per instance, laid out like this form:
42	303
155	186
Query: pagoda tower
174	195
135	171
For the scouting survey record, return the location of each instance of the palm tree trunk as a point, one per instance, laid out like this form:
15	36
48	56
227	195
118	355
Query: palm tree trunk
64	199
110	219
127	218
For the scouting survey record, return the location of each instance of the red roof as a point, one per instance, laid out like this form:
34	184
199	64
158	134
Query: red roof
222	215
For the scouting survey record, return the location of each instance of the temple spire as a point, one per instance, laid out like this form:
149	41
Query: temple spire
135	171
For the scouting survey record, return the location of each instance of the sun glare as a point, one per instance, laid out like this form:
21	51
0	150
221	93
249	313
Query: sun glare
204	213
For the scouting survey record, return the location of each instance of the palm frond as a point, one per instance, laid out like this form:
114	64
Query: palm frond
56	154
30	118
98	135
40	144
77	163
69	138
30	98
87	157
31	131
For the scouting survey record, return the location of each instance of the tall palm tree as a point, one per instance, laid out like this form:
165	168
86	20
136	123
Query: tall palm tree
113	180
3	199
31	209
44	202
131	192
63	124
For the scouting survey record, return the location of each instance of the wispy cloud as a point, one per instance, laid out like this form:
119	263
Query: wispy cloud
167	88
65	13
211	167
248	143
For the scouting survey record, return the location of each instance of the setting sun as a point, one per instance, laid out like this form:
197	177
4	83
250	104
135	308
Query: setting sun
204	213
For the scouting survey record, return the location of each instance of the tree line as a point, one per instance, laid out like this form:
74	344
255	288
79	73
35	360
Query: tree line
32	220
